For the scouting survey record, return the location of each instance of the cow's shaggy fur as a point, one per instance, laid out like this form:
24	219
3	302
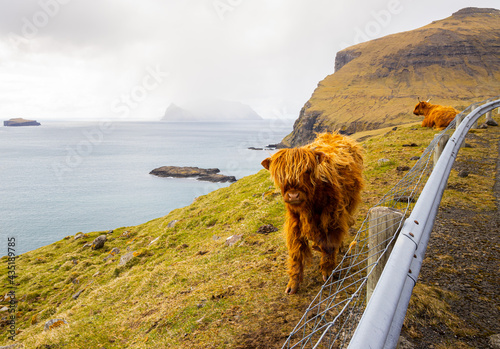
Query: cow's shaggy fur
320	184
437	116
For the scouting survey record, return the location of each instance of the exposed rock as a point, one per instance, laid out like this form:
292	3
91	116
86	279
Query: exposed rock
202	174
404	198
51	324
345	56
76	295
491	122
253	148
183	171
99	242
110	232
153	241
403	168
403	343
410	145
495	341
4	309
78	236
172	223
463	174
382	162
112	253
266	229
125	258
12	346
217	178
230	241
415	158
21	122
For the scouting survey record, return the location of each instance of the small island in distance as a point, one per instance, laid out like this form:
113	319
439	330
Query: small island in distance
20	122
210	110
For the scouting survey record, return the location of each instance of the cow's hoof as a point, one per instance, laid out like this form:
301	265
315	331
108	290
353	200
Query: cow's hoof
292	287
333	277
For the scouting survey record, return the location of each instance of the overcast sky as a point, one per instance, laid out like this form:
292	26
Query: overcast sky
124	59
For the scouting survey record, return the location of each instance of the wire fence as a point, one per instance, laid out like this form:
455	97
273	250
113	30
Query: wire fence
333	315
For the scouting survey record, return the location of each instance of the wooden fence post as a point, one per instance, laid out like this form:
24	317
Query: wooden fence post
384	223
438	149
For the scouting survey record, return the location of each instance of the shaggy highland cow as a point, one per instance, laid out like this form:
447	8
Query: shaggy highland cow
320	184
437	116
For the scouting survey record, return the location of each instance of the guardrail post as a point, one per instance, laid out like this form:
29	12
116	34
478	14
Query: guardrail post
459	118
438	149
474	125
489	119
488	116
384	224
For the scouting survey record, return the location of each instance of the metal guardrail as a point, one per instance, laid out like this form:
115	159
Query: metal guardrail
381	322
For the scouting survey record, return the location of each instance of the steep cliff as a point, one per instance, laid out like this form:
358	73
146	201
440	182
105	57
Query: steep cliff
454	61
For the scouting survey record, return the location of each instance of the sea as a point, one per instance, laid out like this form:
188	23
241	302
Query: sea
62	178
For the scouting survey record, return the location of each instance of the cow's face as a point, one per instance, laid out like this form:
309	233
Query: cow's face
420	108
295	172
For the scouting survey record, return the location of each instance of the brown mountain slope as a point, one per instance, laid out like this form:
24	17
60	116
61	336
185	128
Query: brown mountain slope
454	61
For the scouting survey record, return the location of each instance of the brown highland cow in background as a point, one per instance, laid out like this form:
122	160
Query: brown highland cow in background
321	184
437	116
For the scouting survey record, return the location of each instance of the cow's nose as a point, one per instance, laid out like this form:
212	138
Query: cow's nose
293	196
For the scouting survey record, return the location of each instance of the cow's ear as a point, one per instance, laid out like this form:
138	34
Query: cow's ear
320	156
266	163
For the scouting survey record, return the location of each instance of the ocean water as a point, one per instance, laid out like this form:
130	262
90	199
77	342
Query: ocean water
59	179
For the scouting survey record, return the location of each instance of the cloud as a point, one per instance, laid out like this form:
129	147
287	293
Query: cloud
75	58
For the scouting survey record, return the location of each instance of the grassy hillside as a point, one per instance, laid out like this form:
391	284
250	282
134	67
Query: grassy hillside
377	83
184	286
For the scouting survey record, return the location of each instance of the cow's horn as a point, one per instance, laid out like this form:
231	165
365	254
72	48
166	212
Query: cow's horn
428	100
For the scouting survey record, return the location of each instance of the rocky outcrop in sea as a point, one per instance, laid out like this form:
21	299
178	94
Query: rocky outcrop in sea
20	122
201	174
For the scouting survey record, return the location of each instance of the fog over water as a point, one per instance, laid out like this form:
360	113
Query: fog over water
123	59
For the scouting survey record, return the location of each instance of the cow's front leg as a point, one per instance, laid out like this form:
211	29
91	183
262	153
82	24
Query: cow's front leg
298	252
328	261
329	247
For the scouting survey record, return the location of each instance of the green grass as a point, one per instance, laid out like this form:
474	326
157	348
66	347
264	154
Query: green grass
188	289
